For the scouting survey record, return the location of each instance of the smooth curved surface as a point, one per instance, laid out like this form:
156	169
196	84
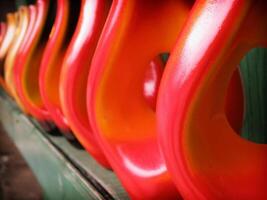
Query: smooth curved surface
10	32
75	71
51	65
23	20
20	52
3	29
26	71
6	42
205	156
122	119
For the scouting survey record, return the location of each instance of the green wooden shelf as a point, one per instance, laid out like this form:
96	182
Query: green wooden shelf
63	171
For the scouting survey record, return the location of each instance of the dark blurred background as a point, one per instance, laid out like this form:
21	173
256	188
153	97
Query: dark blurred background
11	6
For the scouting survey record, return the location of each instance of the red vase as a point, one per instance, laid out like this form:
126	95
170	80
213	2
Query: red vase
51	64
6	42
122	118
22	25
21	54
205	156
26	70
75	69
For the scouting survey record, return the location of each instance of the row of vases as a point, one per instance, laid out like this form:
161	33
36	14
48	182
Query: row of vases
168	129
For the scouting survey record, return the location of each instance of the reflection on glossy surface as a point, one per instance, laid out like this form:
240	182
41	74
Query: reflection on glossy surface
75	71
205	156
26	71
152	81
11	29
133	160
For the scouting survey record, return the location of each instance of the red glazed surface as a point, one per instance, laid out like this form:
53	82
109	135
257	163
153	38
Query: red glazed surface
205	156
26	69
75	69
122	119
51	65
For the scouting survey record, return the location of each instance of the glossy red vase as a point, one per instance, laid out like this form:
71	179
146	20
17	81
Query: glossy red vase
22	25
65	22
205	156
75	71
122	118
26	70
6	42
21	54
